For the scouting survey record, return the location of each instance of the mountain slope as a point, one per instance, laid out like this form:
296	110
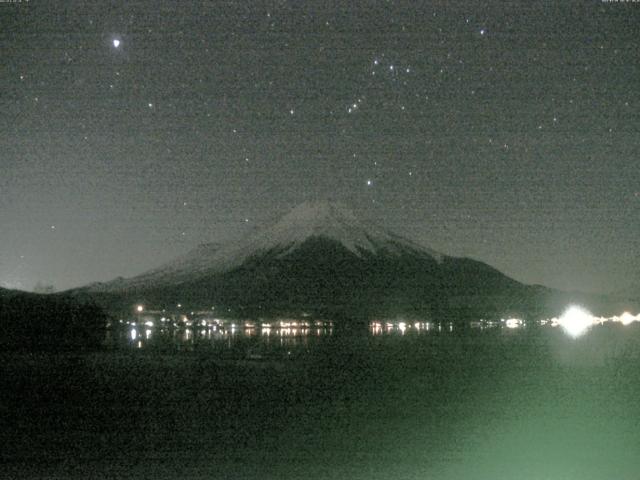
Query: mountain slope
320	259
309	220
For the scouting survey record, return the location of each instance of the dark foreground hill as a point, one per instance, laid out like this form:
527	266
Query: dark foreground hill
30	321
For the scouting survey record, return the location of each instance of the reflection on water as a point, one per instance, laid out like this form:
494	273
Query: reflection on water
292	333
219	335
377	328
298	334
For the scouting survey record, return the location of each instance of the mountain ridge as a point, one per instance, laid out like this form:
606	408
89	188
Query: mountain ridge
310	219
321	260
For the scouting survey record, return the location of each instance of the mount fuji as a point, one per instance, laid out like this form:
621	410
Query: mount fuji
320	259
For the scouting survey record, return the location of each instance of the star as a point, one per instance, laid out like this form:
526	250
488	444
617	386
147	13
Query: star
116	43
369	183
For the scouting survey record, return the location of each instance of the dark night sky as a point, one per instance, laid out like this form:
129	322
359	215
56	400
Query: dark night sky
131	131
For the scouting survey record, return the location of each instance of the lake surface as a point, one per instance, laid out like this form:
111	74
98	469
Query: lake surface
387	402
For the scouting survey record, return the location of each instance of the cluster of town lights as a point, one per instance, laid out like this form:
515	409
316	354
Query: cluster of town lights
575	321
282	327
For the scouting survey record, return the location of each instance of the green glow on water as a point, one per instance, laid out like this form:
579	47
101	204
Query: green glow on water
492	404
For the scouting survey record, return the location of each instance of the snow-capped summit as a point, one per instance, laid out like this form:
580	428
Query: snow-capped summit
326	220
331	221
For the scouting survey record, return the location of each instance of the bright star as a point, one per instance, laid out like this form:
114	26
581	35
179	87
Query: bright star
116	43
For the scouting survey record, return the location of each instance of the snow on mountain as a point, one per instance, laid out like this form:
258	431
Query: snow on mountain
332	221
311	219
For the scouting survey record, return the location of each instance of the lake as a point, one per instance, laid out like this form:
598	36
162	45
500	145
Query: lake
388	401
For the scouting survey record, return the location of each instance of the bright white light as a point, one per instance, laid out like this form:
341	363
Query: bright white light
134	334
576	321
513	322
139	308
149	323
626	318
116	43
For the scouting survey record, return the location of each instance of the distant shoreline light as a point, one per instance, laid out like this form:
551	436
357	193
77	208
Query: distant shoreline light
576	321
